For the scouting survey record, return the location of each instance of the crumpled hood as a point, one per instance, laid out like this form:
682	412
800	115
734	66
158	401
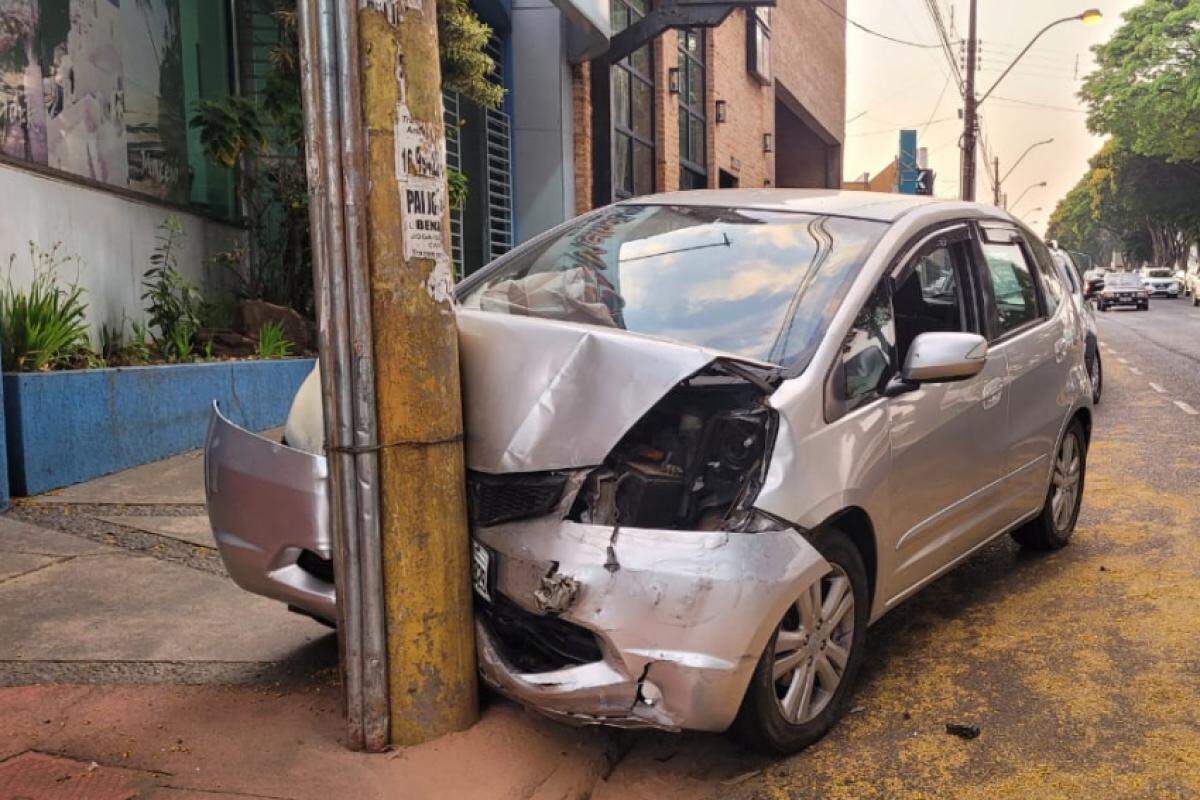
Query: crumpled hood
541	394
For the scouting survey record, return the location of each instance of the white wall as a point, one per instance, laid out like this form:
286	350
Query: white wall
113	235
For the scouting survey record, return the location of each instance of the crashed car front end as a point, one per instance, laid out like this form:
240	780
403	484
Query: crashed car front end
623	577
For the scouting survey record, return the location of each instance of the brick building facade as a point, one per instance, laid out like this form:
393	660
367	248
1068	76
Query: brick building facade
761	98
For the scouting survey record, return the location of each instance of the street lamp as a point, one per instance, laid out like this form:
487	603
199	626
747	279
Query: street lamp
1000	181
1017	202
1089	17
971	103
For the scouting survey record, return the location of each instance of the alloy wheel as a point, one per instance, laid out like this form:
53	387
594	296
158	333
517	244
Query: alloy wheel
812	647
1066	481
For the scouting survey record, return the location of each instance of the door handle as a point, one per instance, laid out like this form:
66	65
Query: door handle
992	391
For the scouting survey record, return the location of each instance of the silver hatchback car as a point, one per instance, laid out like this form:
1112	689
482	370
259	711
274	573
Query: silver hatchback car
711	437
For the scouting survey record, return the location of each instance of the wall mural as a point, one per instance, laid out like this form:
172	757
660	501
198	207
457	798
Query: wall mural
95	88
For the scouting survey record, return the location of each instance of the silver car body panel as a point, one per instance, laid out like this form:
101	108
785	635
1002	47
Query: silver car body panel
682	616
267	504
686	613
548	418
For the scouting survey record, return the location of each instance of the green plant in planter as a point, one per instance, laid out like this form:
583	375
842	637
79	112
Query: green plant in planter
271	341
173	303
43	327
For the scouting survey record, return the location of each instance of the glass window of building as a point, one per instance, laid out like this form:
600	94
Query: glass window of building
632	95
103	91
758	43
692	117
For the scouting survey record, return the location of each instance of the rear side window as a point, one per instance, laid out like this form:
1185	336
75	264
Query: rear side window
1012	284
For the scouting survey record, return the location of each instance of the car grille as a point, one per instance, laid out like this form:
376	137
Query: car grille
502	498
532	643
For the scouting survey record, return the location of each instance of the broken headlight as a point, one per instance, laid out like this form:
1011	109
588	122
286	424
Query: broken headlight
695	461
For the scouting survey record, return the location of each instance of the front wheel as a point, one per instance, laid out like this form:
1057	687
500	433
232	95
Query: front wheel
1052	528
803	678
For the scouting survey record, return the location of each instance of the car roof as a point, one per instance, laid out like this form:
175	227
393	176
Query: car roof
878	206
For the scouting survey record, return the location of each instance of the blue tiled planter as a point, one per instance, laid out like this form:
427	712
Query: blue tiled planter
67	427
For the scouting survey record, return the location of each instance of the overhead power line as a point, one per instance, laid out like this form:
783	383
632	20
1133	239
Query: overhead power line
884	36
1047	106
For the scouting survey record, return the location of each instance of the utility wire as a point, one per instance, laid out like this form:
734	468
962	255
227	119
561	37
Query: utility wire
884	36
1040	105
937	105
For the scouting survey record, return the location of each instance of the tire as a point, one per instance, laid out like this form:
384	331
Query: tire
1096	377
1052	527
1102	307
1195	301
762	722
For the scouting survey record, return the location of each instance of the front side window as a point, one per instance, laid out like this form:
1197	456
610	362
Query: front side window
692	119
1013	290
1053	290
932	294
632	110
758	284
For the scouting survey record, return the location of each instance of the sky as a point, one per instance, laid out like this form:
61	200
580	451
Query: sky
892	86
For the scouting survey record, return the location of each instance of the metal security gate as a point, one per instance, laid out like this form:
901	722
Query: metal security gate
451	119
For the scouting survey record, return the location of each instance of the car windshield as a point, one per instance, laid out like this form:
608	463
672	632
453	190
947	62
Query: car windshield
1159	273
759	284
1122	280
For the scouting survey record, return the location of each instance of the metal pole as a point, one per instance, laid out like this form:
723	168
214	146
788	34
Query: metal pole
363	674
967	178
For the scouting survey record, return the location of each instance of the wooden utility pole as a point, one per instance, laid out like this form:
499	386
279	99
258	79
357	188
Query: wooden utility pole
996	184
426	562
389	367
970	126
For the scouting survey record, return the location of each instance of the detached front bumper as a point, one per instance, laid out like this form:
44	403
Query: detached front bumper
680	617
268	505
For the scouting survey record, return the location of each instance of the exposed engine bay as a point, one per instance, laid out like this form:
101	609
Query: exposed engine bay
695	461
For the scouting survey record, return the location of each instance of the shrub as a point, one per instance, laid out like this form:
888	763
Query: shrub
44	327
271	341
172	302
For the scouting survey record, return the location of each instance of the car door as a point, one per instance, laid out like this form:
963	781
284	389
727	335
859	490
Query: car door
948	440
1031	321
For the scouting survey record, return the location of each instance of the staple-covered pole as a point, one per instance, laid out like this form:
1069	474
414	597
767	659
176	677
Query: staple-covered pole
422	512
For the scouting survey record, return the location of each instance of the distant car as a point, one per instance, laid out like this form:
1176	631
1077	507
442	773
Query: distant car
1181	276
1123	289
1093	282
1159	281
1191	283
1091	350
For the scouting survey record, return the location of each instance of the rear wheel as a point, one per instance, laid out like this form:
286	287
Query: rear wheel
1096	377
803	678
1101	306
1052	528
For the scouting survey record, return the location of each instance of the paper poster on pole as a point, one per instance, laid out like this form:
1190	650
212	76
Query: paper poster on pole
421	175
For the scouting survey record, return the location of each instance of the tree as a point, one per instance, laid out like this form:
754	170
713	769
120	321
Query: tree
1146	208
1143	198
1146	86
1075	227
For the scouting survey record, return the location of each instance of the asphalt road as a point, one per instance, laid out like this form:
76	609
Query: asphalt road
1081	667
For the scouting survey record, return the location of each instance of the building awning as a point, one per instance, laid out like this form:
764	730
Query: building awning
591	27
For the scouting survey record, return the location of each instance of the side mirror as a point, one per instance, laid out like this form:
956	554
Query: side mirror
944	356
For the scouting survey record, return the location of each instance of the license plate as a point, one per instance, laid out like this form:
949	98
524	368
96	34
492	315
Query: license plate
481	570
1126	297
